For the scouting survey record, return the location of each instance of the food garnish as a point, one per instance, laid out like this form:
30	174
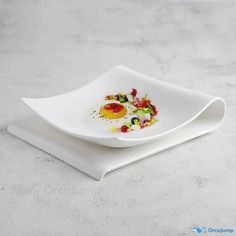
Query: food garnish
143	112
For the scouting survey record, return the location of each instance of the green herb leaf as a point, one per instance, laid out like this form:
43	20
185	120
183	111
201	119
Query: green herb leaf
128	124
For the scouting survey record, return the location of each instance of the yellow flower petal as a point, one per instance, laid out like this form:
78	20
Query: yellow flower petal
114	129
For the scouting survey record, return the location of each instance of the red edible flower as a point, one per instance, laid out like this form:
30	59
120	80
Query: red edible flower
134	92
124	129
154	109
143	103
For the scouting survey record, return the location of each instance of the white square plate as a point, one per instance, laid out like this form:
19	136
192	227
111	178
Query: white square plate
177	107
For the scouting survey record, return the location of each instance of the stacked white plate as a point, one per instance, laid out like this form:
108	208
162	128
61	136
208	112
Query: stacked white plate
62	128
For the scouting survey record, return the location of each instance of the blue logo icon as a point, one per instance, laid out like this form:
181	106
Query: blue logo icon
197	230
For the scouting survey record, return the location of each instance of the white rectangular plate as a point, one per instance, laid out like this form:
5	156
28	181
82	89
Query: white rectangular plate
176	106
96	160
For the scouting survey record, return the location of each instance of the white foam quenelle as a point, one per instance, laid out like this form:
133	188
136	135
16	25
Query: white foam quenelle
177	108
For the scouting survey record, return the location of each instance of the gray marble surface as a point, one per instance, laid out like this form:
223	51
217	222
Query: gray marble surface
51	47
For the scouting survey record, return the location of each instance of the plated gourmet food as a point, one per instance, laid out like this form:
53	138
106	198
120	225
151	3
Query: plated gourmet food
126	112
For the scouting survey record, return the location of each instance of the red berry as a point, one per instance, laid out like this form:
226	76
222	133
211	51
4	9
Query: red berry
124	129
134	92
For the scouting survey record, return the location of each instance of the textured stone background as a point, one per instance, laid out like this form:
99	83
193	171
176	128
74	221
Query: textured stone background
51	47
